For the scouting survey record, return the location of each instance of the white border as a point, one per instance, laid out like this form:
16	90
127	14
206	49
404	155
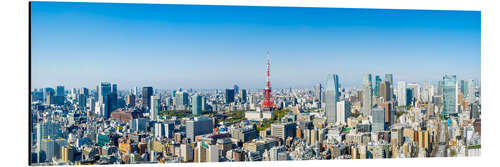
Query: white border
14	77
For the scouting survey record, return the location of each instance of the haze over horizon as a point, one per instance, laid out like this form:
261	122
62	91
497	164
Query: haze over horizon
194	46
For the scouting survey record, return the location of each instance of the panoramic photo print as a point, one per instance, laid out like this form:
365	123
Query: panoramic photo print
124	83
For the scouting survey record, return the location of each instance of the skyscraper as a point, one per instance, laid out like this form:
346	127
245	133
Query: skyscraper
385	90
130	100
377	85
388	78
243	95
197	104
318	93
283	130
115	89
236	88
450	95
181	100
147	92
44	130
331	95
82	101
378	119
60	91
409	96
198	126
367	94
104	101
229	96
155	108
389	114
402	93
343	111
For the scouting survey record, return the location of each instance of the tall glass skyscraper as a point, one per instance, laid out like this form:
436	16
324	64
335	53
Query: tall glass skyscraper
104	92
331	94
318	93
377	85
229	96
367	94
450	95
147	92
155	107
196	105
60	91
388	77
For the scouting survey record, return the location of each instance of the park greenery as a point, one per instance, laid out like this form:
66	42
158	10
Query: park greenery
474	147
233	117
176	113
355	115
278	115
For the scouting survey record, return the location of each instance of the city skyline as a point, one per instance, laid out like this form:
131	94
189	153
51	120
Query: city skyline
85	43
291	84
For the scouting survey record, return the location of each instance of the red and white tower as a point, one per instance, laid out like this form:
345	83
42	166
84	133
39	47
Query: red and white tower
268	104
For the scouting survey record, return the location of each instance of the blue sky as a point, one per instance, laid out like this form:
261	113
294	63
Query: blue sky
190	46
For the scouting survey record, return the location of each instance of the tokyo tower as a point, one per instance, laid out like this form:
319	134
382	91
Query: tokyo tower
268	104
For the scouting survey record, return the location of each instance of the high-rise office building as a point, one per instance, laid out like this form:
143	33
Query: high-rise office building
104	90
244	134
82	101
450	94
60	91
243	95
402	101
84	91
169	129
114	88
112	104
409	96
331	95
378	119
44	130
367	94
389	114
318	93
155	108
389	79
197	105
236	88
198	126
181	100
283	130
67	153
385	90
135	91
138	124
377	85
104	99
130	100
186	153
343	111
207	152
51	148
147	92
159	130
229	96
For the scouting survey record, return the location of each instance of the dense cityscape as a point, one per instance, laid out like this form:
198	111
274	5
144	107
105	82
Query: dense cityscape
382	119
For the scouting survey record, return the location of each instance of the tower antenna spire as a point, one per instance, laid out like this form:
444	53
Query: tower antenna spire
268	104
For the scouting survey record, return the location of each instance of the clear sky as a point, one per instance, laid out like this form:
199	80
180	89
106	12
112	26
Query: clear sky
190	46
